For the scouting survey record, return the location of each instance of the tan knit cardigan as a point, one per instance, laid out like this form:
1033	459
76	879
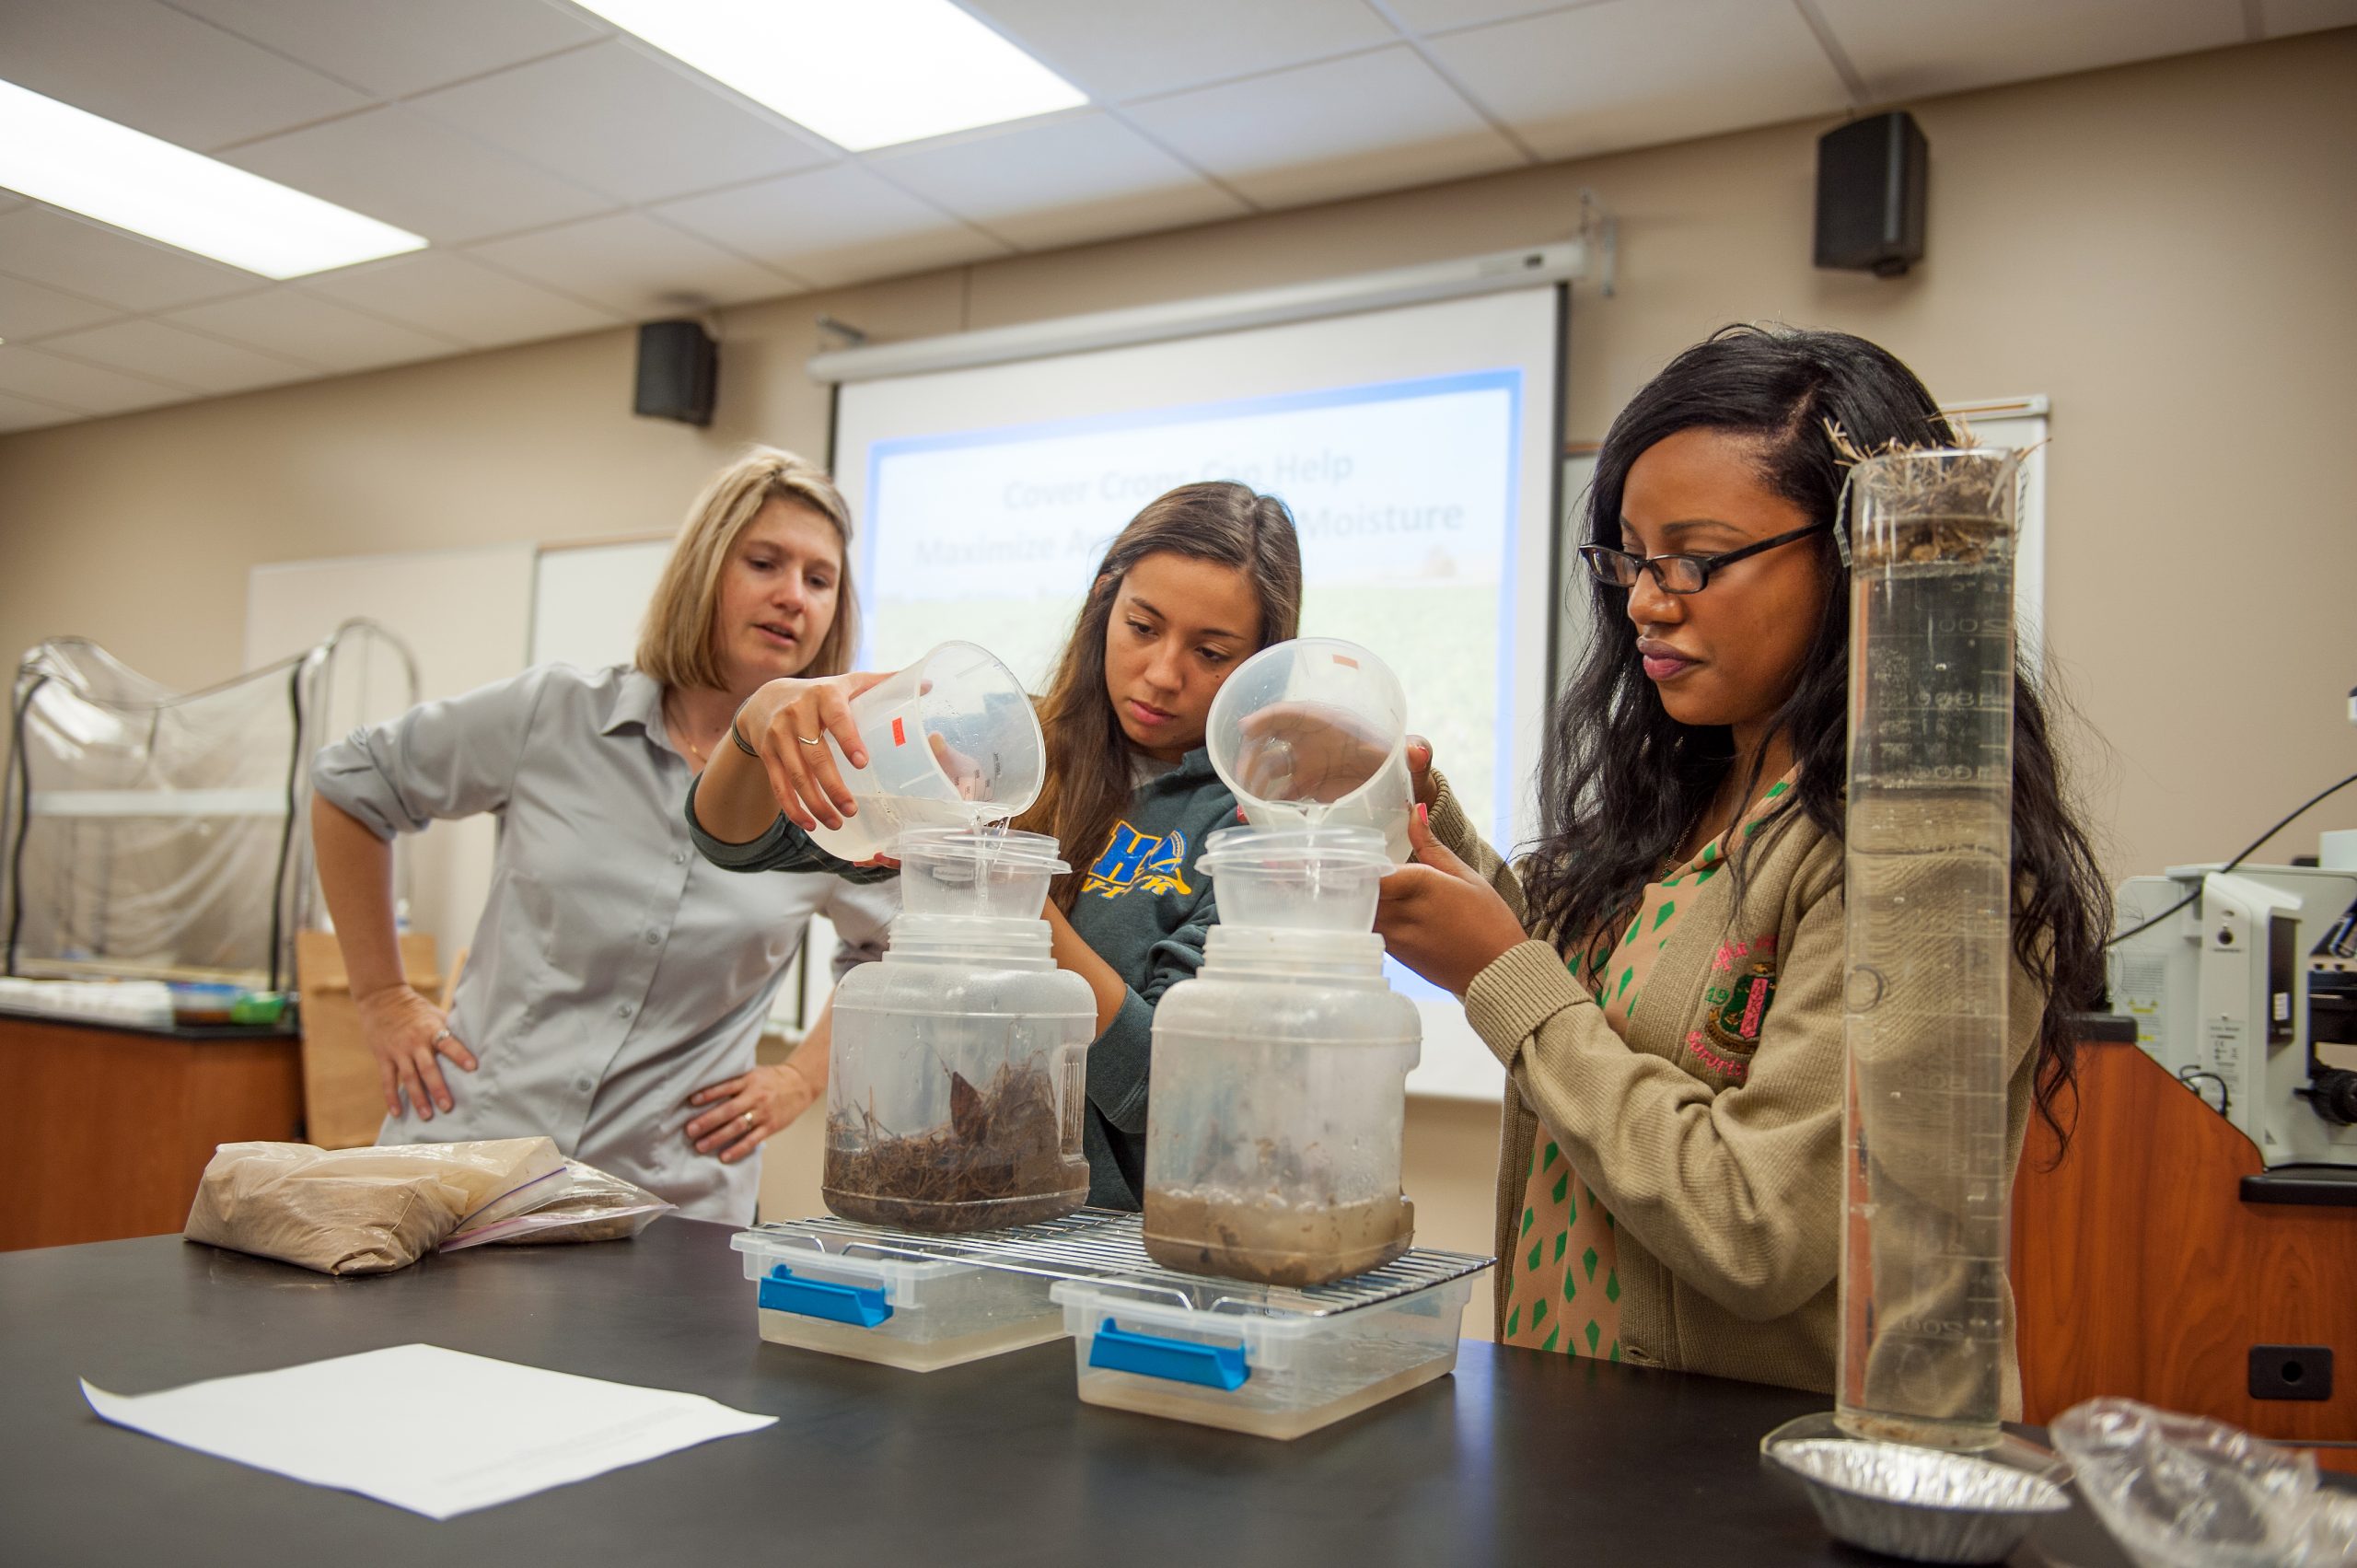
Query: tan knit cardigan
1725	1186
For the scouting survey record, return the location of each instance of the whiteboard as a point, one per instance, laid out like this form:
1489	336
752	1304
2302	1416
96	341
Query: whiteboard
589	600
2026	433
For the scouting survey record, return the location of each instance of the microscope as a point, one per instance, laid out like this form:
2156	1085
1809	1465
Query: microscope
2248	993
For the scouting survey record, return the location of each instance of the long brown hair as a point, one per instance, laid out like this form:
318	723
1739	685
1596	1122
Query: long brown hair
1088	757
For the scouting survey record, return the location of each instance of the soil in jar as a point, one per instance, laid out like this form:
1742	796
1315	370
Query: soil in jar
1209	1231
999	1160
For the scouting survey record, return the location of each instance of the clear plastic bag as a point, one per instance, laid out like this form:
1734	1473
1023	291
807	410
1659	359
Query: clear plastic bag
2185	1491
357	1211
581	1203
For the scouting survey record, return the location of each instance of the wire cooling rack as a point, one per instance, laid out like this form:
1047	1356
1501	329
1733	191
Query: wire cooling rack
1108	1246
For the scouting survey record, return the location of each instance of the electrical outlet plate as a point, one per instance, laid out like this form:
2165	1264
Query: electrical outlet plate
2291	1372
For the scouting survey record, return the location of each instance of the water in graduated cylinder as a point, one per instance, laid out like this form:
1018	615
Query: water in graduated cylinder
1929	839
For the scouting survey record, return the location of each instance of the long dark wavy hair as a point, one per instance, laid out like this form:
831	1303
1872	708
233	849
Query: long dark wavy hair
1088	756
1622	784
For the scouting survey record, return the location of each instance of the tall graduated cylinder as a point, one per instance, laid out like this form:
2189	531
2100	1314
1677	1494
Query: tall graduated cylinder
1928	885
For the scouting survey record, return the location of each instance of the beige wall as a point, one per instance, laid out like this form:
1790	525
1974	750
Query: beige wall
2164	249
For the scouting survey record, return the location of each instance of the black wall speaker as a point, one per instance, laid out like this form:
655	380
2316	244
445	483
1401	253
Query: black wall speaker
678	366
1870	177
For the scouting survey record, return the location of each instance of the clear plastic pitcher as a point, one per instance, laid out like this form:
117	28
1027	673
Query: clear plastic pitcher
1280	1072
956	1083
952	742
1314	733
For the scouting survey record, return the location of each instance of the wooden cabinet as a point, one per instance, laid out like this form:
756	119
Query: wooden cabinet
2139	1270
104	1132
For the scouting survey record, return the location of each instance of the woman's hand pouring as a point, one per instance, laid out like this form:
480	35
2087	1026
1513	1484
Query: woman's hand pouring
787	722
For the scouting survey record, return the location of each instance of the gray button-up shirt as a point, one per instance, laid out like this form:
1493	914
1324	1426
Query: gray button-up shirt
615	971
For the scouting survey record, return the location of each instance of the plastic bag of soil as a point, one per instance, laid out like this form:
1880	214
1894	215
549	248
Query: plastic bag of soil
364	1210
583	1204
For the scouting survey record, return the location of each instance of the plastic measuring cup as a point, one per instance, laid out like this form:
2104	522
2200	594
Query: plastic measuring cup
1314	733
952	742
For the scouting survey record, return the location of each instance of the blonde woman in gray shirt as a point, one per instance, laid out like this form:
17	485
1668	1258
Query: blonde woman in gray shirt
616	982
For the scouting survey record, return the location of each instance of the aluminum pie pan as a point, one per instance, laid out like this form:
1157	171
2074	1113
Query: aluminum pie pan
1925	1504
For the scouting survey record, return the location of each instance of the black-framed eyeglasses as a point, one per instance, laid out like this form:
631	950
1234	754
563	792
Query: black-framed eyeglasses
1677	573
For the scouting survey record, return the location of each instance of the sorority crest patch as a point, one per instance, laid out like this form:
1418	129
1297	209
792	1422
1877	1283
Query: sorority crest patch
1741	1007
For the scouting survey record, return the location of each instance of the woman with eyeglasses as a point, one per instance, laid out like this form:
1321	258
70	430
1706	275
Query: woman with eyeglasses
1663	978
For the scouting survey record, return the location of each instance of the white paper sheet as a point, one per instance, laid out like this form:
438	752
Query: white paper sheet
432	1430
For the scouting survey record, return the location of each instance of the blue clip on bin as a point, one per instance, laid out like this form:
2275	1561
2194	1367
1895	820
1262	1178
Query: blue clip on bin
912	1312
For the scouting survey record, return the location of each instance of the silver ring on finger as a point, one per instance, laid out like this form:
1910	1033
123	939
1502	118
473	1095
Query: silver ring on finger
748	1121
440	1035
807	740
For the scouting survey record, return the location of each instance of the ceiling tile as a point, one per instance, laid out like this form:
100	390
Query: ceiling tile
1634	73
166	353
1059	181
1924	48
1371	122
833	225
398	166
106	264
158	70
440	291
676	136
30	310
86	389
395	49
302	325
25	413
1119	51
2281	18
630	262
1429	17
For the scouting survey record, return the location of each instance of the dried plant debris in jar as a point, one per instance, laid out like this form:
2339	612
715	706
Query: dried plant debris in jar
999	1160
1947	507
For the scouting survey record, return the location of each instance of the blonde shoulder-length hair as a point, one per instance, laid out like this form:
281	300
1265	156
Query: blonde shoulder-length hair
677	644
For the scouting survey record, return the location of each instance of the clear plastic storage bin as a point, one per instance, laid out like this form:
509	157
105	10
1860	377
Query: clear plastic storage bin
1200	1355
917	1314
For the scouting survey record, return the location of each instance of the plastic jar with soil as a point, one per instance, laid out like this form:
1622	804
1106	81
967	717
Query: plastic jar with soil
957	1080
1280	1075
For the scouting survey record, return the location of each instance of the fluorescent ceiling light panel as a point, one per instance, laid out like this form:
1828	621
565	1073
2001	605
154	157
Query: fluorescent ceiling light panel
68	157
861	72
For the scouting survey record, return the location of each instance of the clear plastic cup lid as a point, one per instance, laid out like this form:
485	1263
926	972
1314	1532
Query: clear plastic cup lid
1254	848
979	852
